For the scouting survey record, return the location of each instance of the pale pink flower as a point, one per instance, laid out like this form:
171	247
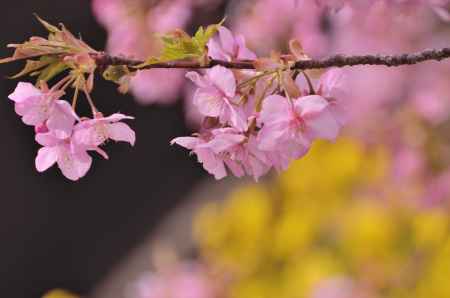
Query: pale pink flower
227	148
38	107
216	96
92	133
292	126
227	47
73	162
212	162
242	157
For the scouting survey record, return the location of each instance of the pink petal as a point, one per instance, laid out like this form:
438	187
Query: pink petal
46	157
47	139
197	79
234	116
209	102
21	108
323	125
66	108
211	163
86	136
101	152
24	91
227	40
310	105
223	79
186	142
332	83
275	108
235	168
215	51
340	112
62	119
73	166
115	118
256	168
223	142
244	53
121	132
35	116
270	137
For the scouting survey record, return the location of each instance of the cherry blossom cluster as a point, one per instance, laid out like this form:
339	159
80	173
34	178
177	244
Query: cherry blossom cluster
262	119
66	138
257	113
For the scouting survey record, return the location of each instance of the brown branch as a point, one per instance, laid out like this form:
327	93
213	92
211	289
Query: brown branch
104	59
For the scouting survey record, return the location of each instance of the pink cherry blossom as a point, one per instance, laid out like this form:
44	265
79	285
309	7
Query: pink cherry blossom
94	132
293	126
212	162
227	148
73	162
227	47
216	96
38	107
331	86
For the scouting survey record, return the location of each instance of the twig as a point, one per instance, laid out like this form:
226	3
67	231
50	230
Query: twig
104	59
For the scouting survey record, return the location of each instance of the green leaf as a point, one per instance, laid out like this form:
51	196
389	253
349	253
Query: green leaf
202	36
178	45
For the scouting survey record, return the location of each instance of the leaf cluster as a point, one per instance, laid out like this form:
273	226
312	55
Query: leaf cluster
178	45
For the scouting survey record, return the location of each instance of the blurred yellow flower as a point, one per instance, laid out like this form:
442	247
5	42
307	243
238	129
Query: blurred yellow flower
59	293
329	217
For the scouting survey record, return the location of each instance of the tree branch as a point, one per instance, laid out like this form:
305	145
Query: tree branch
104	59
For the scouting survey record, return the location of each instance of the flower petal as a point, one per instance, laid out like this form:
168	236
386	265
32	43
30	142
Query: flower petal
209	102
310	105
115	118
223	79
121	132
215	51
62	119
323	125
24	91
223	142
46	157
275	107
47	139
73	166
35	116
227	40
186	142
197	79
211	163
244	53
235	168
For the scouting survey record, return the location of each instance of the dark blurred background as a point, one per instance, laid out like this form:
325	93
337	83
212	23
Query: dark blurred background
55	233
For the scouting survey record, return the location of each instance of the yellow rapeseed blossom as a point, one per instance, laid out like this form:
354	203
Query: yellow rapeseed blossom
328	217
